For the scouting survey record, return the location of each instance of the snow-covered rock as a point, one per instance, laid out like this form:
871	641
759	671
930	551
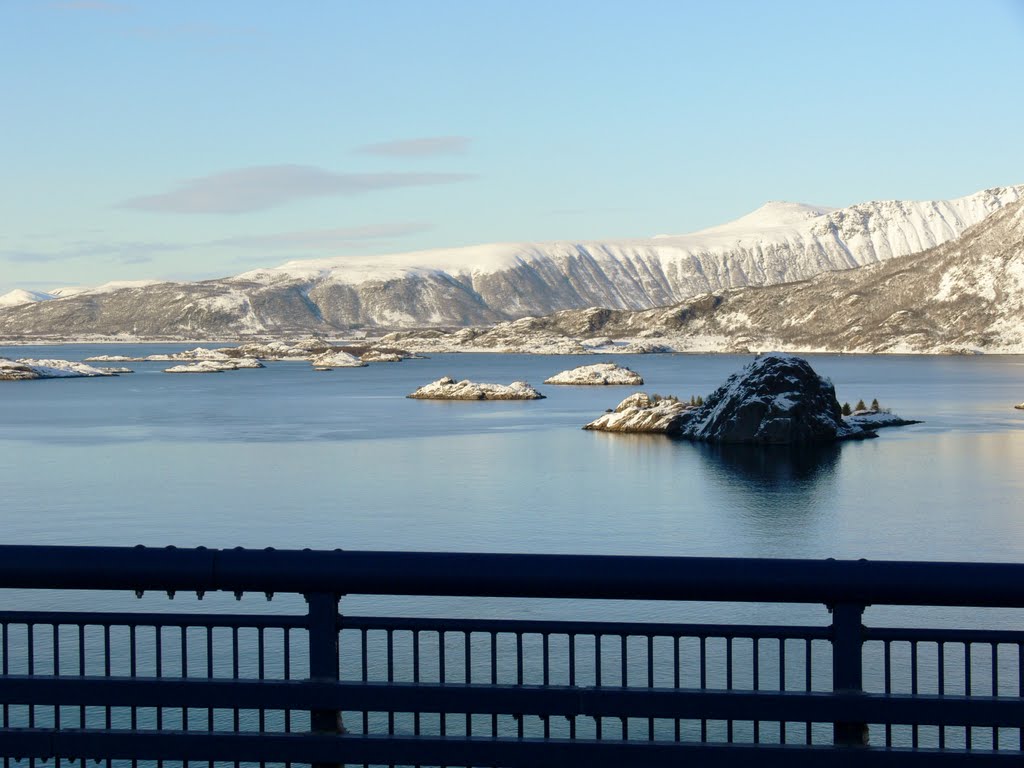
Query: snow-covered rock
113	359
599	373
376	356
27	368
116	369
336	359
641	413
215	366
1019	406
447	388
776	399
868	419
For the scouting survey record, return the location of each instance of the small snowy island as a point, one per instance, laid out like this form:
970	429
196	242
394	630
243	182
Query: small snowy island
607	374
215	366
447	388
28	369
777	399
641	412
1019	406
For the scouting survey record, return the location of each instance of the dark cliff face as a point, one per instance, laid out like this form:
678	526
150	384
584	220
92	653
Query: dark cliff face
777	399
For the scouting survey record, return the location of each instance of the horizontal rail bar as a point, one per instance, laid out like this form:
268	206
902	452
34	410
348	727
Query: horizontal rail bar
896	634
611	701
511	575
543	627
435	750
130	619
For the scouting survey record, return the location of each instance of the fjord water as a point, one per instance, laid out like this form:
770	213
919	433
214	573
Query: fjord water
289	457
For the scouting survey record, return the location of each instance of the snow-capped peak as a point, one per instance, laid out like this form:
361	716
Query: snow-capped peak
20	296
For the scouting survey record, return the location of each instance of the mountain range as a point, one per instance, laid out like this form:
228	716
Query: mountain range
966	295
780	243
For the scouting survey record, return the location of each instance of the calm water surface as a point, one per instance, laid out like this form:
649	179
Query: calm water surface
289	457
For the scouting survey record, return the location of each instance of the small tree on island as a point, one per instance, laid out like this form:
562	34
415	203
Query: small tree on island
860	406
846	409
874	405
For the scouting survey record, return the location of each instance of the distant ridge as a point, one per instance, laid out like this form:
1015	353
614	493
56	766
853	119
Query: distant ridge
478	285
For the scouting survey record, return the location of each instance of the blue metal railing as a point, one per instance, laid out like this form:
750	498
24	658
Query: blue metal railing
324	688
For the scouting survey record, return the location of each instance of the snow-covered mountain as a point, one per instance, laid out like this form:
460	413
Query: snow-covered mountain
966	295
778	243
20	296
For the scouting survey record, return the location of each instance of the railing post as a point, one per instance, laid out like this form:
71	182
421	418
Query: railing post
323	659
847	668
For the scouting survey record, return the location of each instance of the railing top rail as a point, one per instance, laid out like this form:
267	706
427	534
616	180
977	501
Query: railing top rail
514	575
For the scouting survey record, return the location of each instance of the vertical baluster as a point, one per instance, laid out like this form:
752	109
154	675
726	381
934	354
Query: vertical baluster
913	689
391	675
520	718
159	640
728	683
808	735
81	670
261	673
995	691
236	713
467	641
184	672
847	633
288	675
782	683
546	651
597	676
55	641
416	676
942	687
442	675
107	673
755	643
133	670
4	627
494	677
30	631
209	676
967	688
1020	690
365	672
623	677
572	680
650	682
703	682
676	681
888	687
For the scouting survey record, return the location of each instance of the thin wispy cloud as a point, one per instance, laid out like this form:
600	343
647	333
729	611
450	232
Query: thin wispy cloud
308	241
421	147
259	188
323	239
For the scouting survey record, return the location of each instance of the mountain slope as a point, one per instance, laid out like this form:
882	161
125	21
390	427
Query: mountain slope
965	295
778	243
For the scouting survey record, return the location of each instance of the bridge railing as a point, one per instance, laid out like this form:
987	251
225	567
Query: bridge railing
323	687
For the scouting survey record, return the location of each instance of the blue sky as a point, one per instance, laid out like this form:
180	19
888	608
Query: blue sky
190	139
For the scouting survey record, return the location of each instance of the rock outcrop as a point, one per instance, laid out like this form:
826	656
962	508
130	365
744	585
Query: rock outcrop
1019	406
877	419
597	374
27	369
448	388
215	366
336	359
776	399
642	413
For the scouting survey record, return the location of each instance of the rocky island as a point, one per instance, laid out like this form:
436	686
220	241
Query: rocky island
641	412
27	369
447	388
597	374
777	399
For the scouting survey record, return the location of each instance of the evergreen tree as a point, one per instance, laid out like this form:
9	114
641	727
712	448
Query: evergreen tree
874	405
860	406
846	409
700	400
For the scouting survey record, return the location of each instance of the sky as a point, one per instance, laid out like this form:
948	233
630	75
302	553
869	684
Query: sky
184	139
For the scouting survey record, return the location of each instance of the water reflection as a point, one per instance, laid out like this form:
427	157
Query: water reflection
771	466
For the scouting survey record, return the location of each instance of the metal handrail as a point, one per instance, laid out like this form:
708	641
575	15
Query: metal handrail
515	575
